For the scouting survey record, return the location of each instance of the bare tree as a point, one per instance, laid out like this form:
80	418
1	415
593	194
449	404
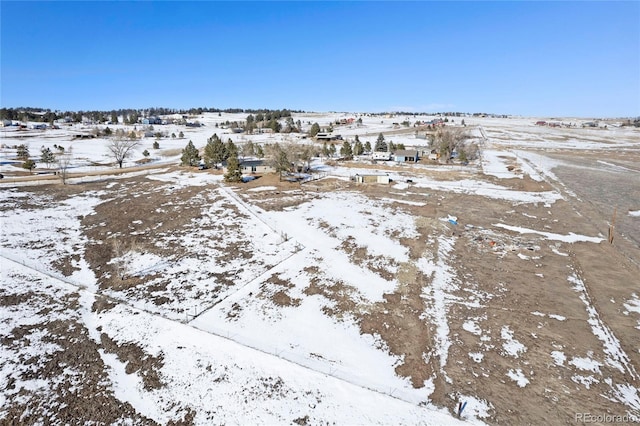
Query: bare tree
63	160
303	154
446	141
121	148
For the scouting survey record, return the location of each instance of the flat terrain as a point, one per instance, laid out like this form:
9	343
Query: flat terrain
170	297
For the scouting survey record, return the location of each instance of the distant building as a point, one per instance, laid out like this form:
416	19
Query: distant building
382	156
255	166
406	156
372	178
252	167
152	120
324	137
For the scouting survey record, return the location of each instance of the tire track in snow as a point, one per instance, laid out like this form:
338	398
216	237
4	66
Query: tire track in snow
616	356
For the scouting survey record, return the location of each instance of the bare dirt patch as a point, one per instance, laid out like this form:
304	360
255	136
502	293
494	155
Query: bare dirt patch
276	289
78	384
136	360
359	255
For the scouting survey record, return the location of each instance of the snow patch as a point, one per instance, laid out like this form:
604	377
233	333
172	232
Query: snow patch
633	305
476	356
518	377
558	357
586	364
570	238
510	345
586	381
263	188
472	327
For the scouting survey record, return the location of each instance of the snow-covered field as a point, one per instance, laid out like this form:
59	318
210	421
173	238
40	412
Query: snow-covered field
170	296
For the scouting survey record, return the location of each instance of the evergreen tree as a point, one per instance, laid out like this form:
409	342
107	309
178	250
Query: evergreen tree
381	145
250	124
156	145
367	146
315	129
332	150
462	155
214	151
358	149
392	146
248	149
190	155
290	126
346	150
325	150
181	135
107	131
230	149
274	125
400	146
29	165
145	153
47	156
259	151
133	117
233	173
114	117
22	152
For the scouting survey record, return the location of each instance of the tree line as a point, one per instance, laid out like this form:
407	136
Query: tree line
130	115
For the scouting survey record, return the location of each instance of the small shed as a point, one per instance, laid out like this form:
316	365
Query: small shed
372	178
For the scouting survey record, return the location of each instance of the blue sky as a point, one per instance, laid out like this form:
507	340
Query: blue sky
524	58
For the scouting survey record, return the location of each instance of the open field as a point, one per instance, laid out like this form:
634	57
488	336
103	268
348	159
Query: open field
166	296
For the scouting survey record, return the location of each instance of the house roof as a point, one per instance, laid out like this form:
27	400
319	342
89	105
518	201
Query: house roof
251	163
406	153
